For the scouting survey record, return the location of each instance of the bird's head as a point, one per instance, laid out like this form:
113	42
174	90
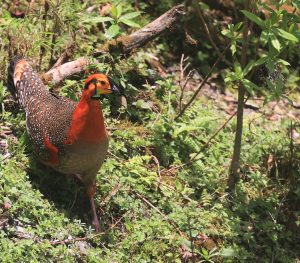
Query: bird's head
98	84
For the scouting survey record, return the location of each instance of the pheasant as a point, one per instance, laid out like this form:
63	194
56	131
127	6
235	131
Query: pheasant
70	137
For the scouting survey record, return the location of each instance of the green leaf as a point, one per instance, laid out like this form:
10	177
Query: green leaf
130	23
238	72
228	252
203	6
275	42
114	11
237	26
264	37
228	79
98	19
119	11
248	67
254	18
143	105
261	61
112	31
233	47
225	32
250	86
296	3
285	34
129	16
284	62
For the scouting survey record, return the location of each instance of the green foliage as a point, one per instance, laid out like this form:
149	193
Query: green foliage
116	20
161	193
278	32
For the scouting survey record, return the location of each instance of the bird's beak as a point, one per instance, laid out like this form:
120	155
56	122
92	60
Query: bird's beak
115	89
98	92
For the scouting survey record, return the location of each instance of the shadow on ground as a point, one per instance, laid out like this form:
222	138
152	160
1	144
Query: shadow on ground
65	192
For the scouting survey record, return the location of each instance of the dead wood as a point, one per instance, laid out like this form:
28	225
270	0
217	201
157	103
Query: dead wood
58	74
124	45
139	38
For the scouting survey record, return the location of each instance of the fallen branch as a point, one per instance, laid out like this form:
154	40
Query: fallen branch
124	45
127	44
58	74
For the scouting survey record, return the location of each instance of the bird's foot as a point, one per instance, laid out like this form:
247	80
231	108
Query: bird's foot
96	224
90	190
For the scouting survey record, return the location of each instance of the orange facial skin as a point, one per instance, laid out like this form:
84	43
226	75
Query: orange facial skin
100	82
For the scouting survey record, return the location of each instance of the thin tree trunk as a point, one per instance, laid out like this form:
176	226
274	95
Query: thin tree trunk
235	162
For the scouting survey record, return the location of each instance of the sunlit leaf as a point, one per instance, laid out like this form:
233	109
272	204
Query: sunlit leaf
227	252
275	43
98	19
250	86
286	35
284	62
129	16
233	47
112	31
114	11
119	10
130	23
248	67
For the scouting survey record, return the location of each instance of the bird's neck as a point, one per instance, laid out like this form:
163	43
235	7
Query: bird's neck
87	124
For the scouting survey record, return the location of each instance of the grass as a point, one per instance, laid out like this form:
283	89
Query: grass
154	205
148	215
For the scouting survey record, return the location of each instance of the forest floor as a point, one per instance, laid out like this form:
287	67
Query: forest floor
162	190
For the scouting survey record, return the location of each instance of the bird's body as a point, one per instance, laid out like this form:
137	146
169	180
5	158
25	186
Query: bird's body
70	137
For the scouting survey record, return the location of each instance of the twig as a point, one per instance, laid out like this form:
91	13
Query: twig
208	33
181	78
206	144
202	83
6	156
291	147
3	222
161	213
214	135
64	56
68	241
111	194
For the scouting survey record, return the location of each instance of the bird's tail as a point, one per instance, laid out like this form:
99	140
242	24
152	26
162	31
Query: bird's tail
23	82
10	78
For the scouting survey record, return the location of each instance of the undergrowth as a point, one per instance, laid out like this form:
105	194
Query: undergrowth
154	203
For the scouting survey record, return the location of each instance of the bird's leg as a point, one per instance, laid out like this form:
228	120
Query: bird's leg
78	177
90	190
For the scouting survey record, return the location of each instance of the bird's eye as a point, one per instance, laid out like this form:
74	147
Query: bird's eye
102	82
